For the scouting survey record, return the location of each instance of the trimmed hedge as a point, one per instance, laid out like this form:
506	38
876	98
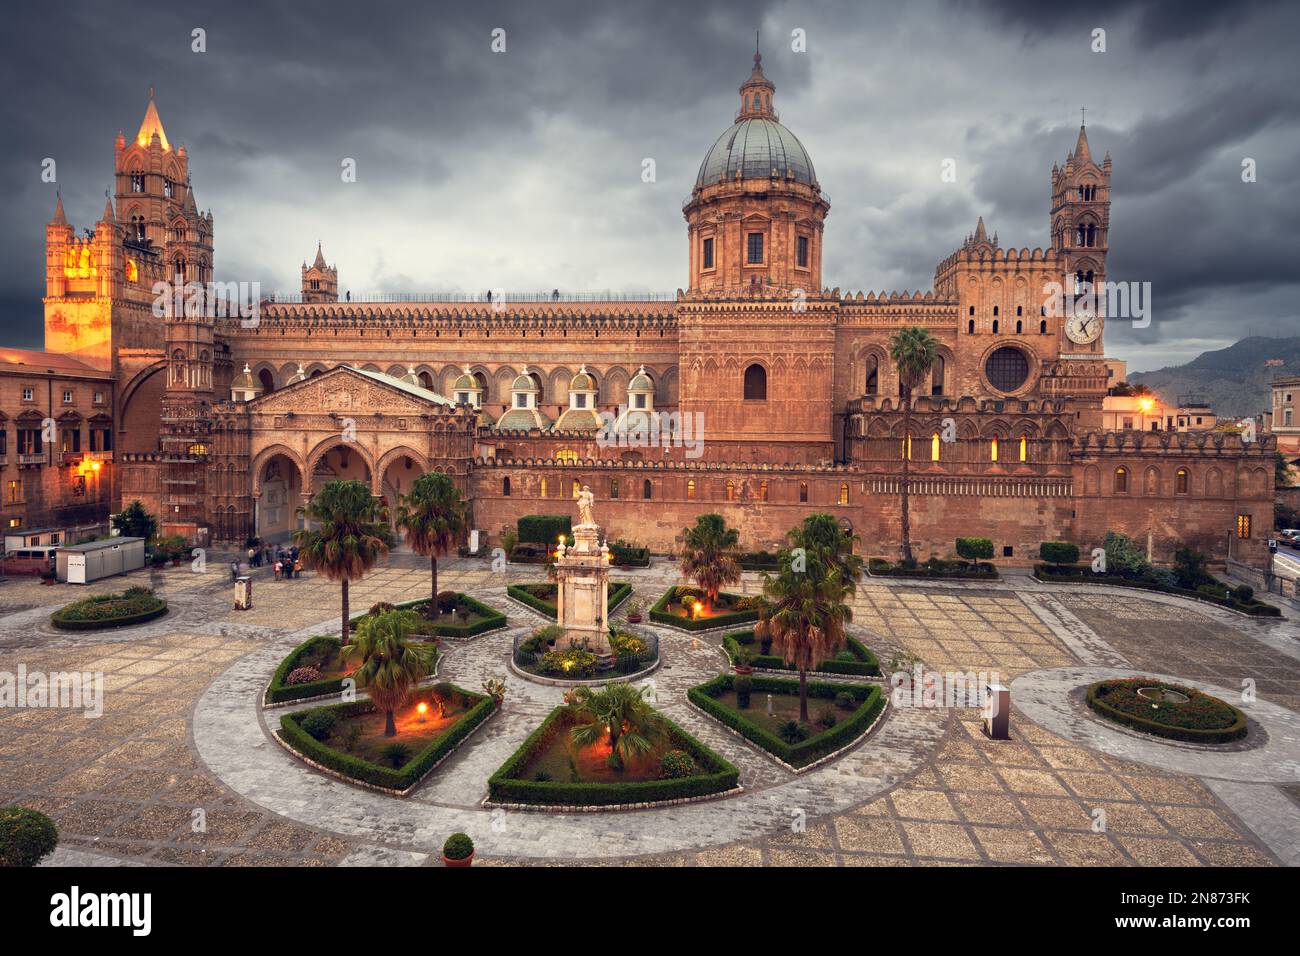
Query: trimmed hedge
278	692
78	616
1083	574
544	529
491	618
630	556
619	591
1200	735
933	568
1058	552
758	560
717	775
871	702
661	616
866	664
292	733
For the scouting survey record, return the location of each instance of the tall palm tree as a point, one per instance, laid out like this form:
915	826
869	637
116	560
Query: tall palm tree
708	556
391	664
804	615
913	351
623	713
434	517
822	533
345	535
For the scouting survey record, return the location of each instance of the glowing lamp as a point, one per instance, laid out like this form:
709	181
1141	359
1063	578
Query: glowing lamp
422	708
698	608
1146	404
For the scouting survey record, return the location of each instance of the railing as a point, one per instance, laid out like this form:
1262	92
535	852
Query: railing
38	459
297	298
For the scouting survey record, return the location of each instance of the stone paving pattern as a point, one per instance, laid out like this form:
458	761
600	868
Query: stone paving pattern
127	784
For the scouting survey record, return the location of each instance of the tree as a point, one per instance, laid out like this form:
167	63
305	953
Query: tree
134	522
975	550
621	712
391	664
913	351
822	533
349	537
1124	557
708	556
433	516
1281	470
804	614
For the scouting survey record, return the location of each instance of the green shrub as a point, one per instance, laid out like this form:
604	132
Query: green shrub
281	690
1154	580
1058	552
27	836
792	733
660	615
458	846
133	606
1201	719
544	529
395	754
1189	568
572	662
1123	555
845	701
856	660
319	723
826	717
975	549
1243	593
676	764
743	685
489	617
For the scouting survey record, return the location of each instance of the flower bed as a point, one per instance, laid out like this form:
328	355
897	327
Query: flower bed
481	617
541	597
1083	574
933	568
442	738
535	653
314	653
857	659
1201	719
132	606
516	781
731	609
753	724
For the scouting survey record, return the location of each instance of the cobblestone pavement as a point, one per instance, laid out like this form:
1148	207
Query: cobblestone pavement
182	738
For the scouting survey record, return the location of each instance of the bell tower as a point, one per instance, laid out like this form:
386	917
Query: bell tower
1080	223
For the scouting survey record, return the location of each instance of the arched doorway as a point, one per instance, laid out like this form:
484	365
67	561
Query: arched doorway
398	469
339	462
279	482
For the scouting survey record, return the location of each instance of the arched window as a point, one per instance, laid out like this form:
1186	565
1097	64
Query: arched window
936	376
844	492
995	326
613	488
762	490
873	376
970	327
905	449
755	383
993	449
934	447
1042	327
1180	481
1121	481
803	492
731	490
1020	326
690	490
1024	447
505	487
647	490
543	488
576	487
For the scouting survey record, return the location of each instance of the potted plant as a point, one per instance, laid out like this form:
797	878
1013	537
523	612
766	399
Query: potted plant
458	850
634	611
744	660
495	688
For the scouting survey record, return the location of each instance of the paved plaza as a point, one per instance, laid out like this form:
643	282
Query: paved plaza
184	737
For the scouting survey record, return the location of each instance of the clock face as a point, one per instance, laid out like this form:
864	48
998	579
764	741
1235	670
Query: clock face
1083	327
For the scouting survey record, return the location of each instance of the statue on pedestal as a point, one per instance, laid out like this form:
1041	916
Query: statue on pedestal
586	503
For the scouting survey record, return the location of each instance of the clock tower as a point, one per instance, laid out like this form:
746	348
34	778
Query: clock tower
1080	221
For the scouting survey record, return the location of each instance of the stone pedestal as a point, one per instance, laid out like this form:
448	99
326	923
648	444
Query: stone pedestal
582	585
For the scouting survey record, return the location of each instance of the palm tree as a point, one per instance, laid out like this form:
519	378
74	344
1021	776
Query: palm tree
822	533
804	615
708	556
349	537
434	517
391	664
621	712
913	351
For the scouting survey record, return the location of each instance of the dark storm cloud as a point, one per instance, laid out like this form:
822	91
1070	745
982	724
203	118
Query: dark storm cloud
523	170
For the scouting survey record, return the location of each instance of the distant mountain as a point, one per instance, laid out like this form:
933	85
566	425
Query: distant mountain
1235	381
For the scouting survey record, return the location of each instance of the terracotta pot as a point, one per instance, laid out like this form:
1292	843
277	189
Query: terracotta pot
634	618
744	668
468	861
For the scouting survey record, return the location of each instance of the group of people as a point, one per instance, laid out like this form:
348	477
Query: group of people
284	561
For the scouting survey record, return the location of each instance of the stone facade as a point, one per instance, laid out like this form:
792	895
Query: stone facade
776	393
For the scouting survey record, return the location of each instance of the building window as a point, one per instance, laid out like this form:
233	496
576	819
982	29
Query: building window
29	441
67	396
1243	526
934	447
1180	481
505	487
762	490
14	492
521	400
613	487
936	376
576	488
543	489
647	490
993	449
690	490
970	327
731	490
1121	481
1024	447
801	252
137	182
995	310
844	492
4	443
995	326
1020	326
638	401
1128	424
27	395
579	401
803	492
99	398
71	440
873	375
755	383
754	249
708	253
1042	327
1007	369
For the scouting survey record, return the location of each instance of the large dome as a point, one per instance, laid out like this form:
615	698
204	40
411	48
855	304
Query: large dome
757	148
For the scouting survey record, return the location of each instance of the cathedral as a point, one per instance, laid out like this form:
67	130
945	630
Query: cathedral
758	391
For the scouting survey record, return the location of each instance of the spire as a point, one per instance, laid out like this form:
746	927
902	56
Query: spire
59	217
320	258
108	209
756	92
981	235
152	125
1081	153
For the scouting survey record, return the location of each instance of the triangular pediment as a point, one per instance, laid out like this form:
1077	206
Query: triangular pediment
346	390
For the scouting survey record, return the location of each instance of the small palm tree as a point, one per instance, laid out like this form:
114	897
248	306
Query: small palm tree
804	614
913	351
822	533
434	517
623	713
348	538
391	664
708	556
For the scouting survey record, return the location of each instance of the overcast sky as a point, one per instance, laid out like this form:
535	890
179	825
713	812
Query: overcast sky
522	170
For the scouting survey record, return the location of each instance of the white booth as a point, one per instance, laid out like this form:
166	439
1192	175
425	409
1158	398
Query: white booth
83	563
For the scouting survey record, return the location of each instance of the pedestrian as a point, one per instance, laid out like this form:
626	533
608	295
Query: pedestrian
234	570
278	568
297	568
252	557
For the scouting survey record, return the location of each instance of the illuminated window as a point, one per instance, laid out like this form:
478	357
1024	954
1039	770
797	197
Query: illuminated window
566	454
1121	481
690	489
1243	526
14	492
844	493
934	447
993	450
731	490
1180	481
1024	447
803	491
132	271
577	487
543	488
905	450
197	449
